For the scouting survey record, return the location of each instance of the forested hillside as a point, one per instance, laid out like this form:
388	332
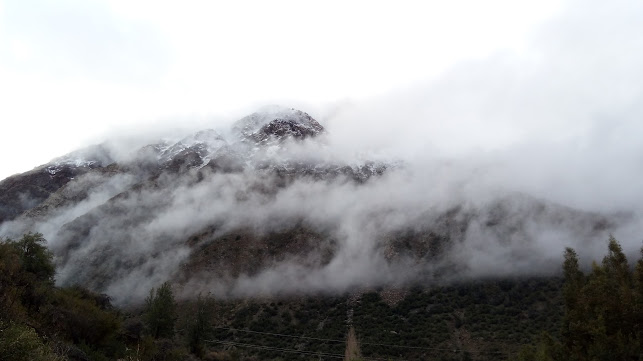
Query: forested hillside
593	316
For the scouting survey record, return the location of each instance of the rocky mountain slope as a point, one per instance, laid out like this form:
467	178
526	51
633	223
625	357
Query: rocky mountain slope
251	210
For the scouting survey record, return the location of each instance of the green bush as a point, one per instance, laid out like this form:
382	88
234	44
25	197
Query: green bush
21	342
80	317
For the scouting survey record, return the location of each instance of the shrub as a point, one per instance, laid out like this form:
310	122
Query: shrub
20	342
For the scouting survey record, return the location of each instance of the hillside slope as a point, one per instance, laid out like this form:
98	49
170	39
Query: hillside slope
265	208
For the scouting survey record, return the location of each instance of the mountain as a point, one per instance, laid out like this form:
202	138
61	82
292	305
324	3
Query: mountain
264	208
21	192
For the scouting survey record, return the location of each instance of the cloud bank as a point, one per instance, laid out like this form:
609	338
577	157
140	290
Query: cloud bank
510	159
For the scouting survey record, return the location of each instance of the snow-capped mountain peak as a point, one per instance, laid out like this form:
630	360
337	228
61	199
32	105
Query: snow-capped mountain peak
277	123
205	142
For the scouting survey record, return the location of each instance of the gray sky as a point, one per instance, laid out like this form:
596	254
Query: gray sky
73	71
478	99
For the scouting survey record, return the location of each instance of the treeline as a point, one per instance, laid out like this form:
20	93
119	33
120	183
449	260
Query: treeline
601	318
603	312
42	322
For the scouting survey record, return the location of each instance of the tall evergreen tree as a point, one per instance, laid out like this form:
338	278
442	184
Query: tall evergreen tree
602	317
160	312
638	299
617	308
575	338
201	326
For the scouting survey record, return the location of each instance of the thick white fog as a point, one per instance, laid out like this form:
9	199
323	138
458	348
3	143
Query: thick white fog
552	133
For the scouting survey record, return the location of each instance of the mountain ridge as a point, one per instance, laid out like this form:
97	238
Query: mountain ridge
238	210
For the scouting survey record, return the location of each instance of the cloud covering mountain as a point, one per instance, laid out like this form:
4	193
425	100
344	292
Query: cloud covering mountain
488	170
266	206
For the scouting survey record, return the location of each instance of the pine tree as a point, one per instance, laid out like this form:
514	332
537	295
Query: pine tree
618	300
160	312
201	326
574	334
638	300
602	311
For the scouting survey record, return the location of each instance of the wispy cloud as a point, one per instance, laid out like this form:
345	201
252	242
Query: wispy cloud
511	157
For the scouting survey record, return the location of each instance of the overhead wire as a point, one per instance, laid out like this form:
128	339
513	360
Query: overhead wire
361	343
290	350
279	349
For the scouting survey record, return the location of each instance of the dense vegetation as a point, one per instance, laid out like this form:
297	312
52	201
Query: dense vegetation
595	316
603	311
483	320
39	321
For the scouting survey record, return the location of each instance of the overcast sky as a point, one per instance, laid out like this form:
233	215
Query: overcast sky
72	71
476	98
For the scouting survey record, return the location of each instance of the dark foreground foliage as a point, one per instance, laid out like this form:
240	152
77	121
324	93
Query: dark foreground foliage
483	320
595	316
603	312
39	321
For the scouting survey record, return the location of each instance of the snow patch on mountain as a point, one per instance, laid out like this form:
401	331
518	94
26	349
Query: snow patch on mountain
205	143
278	123
273	139
90	157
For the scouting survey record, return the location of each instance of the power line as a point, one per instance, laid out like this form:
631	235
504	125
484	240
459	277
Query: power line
362	343
271	348
280	334
290	350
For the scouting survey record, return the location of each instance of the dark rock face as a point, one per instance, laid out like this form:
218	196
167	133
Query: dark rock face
284	128
206	149
295	170
228	254
21	192
71	179
277	123
189	158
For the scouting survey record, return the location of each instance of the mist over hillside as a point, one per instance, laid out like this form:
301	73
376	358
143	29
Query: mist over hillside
490	169
268	206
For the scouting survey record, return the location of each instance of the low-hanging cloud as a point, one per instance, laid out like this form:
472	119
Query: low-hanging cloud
511	159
